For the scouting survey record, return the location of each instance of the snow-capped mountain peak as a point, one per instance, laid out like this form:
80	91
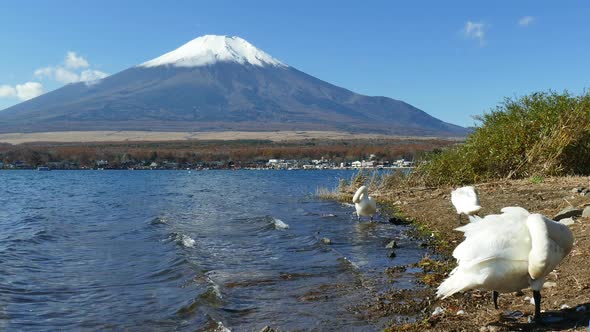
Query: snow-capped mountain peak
210	49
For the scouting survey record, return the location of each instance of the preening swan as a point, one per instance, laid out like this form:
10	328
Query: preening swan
465	201
363	203
508	252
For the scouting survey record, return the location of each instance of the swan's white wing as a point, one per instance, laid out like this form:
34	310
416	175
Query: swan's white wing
493	255
474	218
366	207
496	236
516	211
493	238
373	204
508	213
500	275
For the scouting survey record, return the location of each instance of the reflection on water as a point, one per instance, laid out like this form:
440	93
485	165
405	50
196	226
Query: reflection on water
188	251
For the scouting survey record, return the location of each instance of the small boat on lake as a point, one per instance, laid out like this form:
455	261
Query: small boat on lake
43	168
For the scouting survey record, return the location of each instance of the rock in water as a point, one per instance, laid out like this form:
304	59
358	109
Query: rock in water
325	240
392	254
397	221
391	245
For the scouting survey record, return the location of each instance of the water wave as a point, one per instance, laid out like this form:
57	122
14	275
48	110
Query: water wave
279	224
187	241
214	287
183	240
159	221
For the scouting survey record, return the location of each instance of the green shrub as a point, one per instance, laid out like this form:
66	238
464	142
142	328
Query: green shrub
542	134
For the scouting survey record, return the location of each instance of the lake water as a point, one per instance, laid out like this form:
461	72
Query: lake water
173	250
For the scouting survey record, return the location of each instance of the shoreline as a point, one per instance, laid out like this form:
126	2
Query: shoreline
566	296
362	169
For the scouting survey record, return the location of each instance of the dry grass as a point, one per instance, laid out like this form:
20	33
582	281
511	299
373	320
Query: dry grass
542	134
143	136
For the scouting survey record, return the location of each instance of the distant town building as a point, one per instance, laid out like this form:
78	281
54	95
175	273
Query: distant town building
20	164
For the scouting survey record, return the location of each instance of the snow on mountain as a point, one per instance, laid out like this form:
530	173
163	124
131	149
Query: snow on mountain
210	49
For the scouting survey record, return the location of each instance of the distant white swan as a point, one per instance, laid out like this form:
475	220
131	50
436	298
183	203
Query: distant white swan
508	252
465	201
364	204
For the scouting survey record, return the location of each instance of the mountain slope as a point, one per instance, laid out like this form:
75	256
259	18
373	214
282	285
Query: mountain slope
217	83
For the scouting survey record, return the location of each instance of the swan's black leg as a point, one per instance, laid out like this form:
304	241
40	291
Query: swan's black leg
537	297
371	218
495	298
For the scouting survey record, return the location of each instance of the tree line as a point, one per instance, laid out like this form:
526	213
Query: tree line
122	154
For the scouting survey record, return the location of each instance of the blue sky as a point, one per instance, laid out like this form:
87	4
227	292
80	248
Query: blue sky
451	59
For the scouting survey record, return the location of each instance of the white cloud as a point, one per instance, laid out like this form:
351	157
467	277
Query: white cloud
74	61
65	76
23	91
68	73
29	90
71	71
7	91
59	74
44	72
90	75
526	21
475	30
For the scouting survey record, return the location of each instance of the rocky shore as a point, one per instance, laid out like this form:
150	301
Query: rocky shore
566	294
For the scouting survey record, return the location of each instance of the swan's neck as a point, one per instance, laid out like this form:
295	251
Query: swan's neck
538	256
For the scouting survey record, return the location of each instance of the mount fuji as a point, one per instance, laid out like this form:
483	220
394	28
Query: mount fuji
217	83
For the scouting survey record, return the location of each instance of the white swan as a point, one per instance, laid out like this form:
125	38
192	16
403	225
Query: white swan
508	252
363	203
465	201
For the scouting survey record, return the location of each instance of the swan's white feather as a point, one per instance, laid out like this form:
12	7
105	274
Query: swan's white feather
507	252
